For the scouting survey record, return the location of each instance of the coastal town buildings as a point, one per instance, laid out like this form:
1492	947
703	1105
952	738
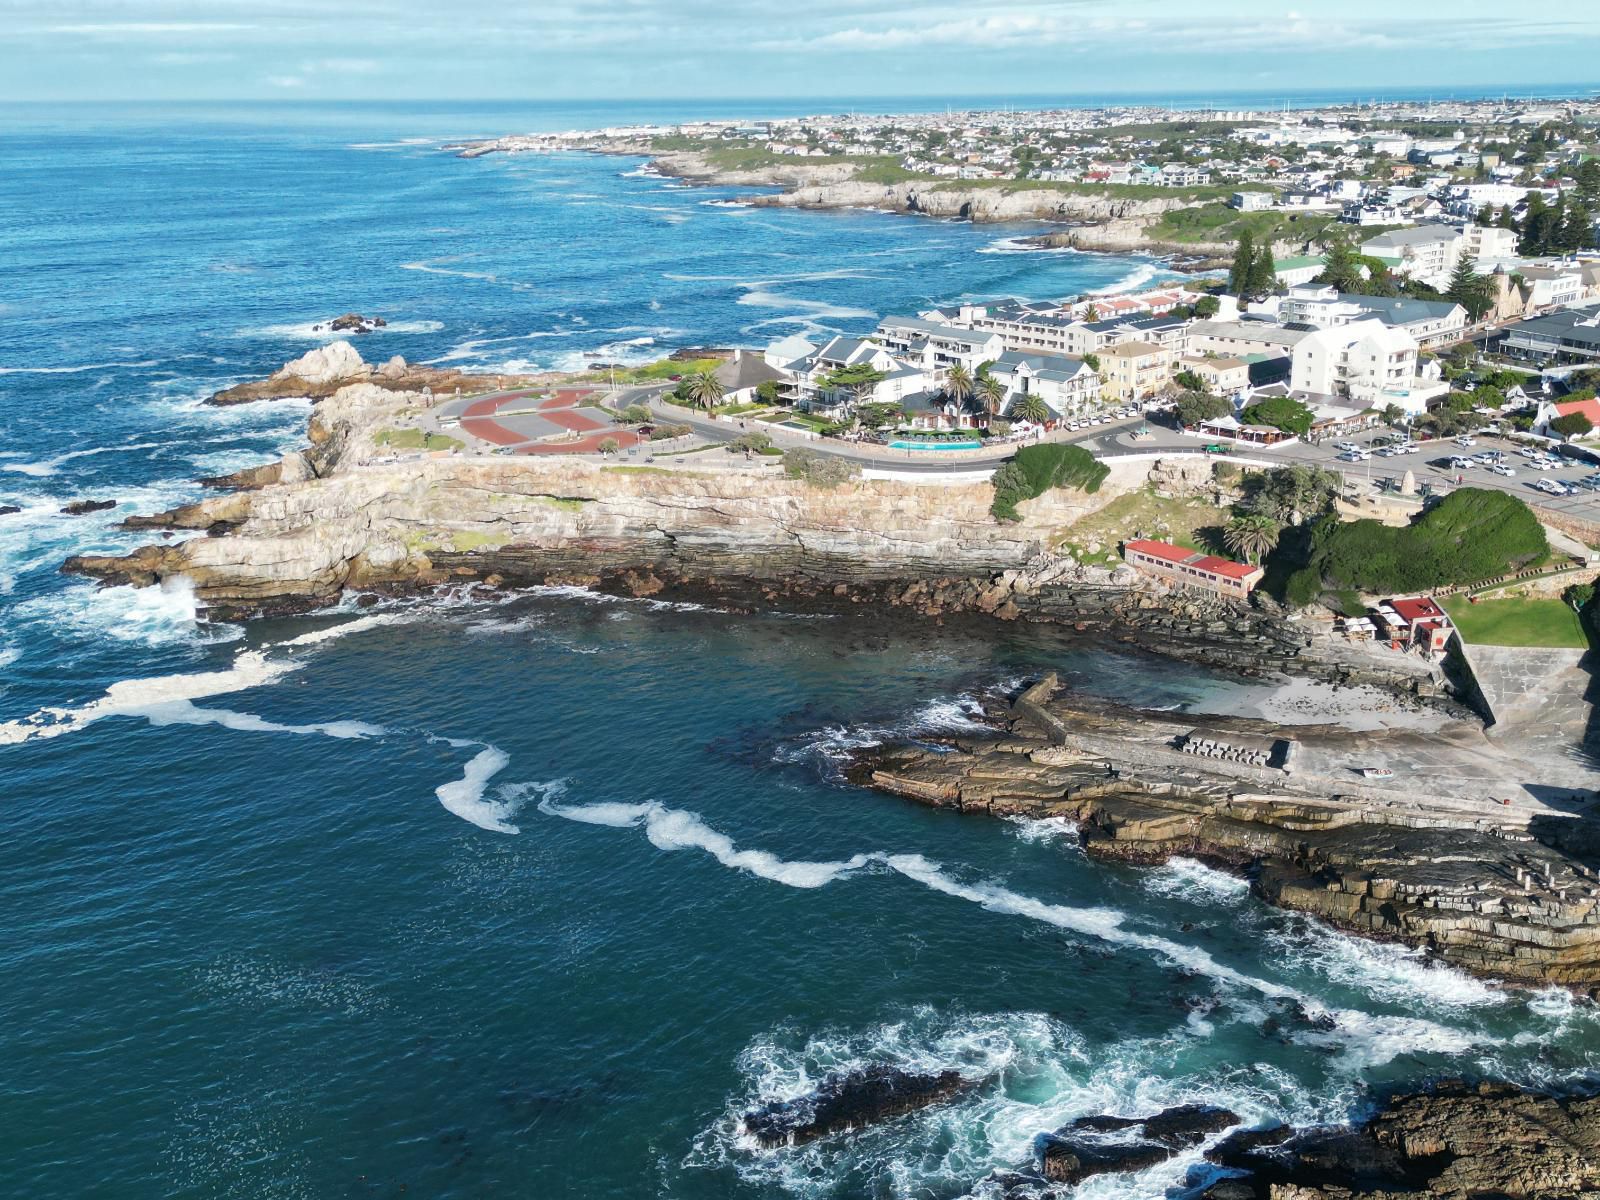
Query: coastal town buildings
1427	253
1190	568
1068	386
1134	370
1366	361
1569	336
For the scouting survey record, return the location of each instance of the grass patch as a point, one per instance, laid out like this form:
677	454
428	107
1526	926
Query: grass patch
1216	222
1517	621
738	410
415	439
1183	521
666	368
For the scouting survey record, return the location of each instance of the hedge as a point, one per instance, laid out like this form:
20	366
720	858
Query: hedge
1471	535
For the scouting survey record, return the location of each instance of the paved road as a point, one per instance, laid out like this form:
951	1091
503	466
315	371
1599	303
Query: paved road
1115	439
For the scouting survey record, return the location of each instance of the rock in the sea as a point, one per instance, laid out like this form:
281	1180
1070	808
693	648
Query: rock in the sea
356	323
79	507
851	1101
1089	1145
7	509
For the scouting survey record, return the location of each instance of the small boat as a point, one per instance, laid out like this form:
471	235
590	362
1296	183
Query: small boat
1376	773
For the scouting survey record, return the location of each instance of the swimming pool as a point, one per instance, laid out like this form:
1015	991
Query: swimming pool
936	445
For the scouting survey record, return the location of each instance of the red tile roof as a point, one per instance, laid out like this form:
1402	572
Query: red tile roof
1209	563
1417	608
1164	550
1589	408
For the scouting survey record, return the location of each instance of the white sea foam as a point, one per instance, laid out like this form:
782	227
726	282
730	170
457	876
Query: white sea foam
133	697
962	713
184	712
8	655
464	797
434	267
674	829
1397	974
1185	878
726	204
1131	282
105	366
50	466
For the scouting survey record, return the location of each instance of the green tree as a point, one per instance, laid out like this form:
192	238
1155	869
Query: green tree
1574	424
1244	257
958	384
1292	494
608	446
1092	361
1342	269
1190	382
1195	407
1470	290
1091	314
1577	229
703	389
991	392
1263	272
1253	536
767	391
1588	179
1206	307
1486	215
1029	407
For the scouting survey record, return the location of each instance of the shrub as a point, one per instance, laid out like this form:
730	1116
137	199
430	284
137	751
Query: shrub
819	470
608	446
1037	469
662	433
750	443
635	414
1574	424
767	391
1472	535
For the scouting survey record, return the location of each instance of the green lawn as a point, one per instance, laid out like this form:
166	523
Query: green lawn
1516	622
415	439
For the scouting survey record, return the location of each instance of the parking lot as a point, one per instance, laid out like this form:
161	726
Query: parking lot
1433	464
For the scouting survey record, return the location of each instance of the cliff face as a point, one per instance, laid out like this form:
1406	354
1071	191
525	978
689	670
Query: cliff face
345	514
980	204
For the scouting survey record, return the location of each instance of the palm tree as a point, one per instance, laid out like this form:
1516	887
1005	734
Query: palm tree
992	392
704	388
1030	407
958	384
1253	536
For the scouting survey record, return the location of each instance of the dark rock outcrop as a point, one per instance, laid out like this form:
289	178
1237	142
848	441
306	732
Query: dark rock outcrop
7	509
1083	1148
355	323
851	1101
79	508
1457	1141
1473	887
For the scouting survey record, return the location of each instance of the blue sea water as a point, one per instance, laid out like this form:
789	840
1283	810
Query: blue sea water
467	898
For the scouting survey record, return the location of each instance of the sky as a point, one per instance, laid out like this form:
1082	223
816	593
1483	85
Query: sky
663	49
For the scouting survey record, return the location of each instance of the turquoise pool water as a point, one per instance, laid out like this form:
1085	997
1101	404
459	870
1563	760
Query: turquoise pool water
974	445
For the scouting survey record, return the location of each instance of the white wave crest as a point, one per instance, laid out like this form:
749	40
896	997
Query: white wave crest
134	697
50	466
78	370
1131	282
464	796
1185	878
674	829
184	712
323	331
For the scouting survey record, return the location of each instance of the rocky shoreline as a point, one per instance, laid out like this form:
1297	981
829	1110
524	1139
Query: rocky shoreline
1097	222
1501	890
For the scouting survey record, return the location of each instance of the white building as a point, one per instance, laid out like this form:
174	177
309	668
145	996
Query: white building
1429	322
1067	385
1554	286
817	393
1366	361
937	347
1487	242
1427	253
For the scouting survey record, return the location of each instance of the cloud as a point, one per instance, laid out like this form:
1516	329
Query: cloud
286	82
119	29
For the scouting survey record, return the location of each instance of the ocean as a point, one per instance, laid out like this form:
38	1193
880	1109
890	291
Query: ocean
463	896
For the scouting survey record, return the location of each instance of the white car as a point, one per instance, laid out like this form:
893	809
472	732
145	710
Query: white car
1351	456
1528	452
1502	469
1346	446
1466	441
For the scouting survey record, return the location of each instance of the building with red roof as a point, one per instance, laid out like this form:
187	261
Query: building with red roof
1415	621
1190	568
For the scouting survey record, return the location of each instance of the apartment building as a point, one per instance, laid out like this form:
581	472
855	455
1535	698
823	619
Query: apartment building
1133	370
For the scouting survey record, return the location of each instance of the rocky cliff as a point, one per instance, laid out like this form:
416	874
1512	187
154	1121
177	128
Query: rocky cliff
320	373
